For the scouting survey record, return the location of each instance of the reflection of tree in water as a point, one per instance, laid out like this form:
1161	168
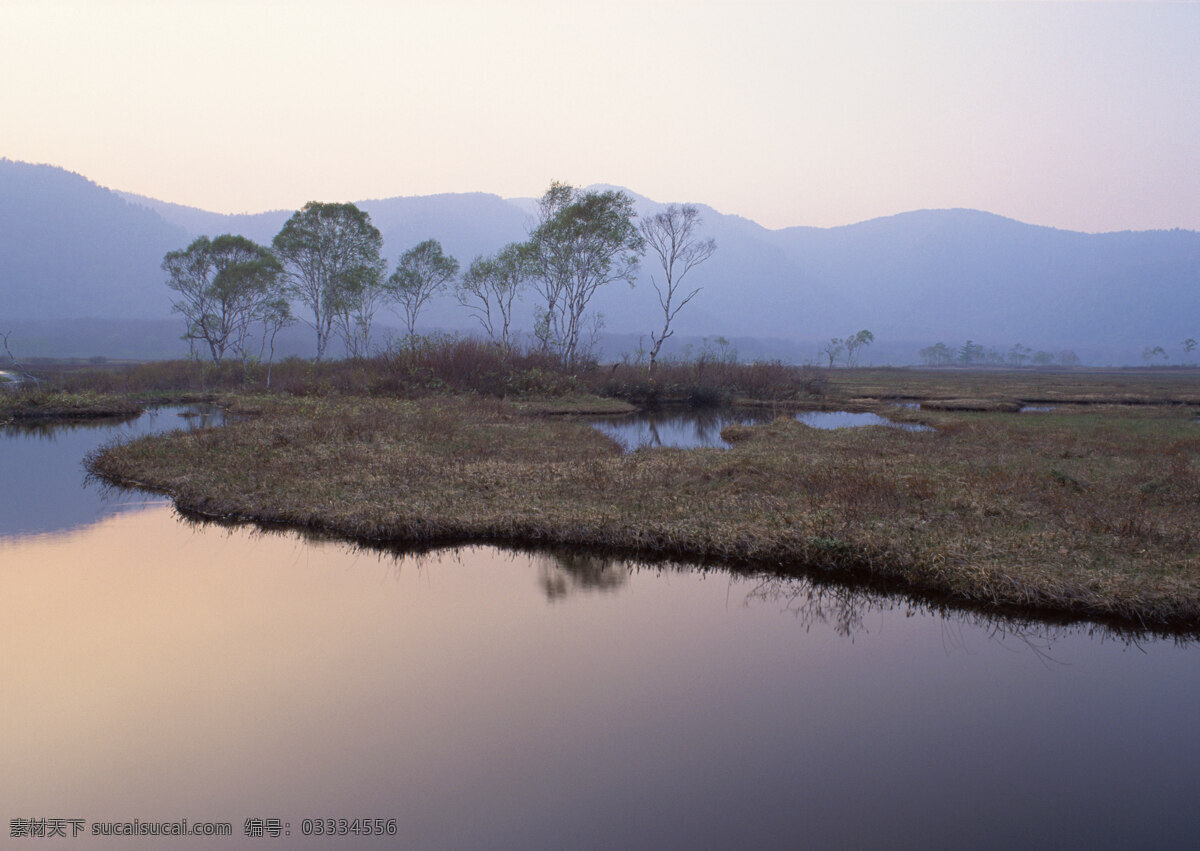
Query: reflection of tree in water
203	417
845	608
841	606
682	429
562	574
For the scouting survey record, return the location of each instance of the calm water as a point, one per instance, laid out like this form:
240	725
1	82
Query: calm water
695	429
849	419
680	429
158	669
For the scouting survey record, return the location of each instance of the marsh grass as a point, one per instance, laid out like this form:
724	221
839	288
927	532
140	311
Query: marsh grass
1027	386
31	404
1087	511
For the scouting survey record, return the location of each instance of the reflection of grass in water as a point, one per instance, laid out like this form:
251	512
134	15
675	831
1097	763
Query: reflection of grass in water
978	510
201	416
50	429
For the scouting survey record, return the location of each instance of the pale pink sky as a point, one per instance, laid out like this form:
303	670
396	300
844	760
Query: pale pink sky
1077	115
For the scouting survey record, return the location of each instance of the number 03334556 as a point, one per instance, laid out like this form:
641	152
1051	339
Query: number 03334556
348	827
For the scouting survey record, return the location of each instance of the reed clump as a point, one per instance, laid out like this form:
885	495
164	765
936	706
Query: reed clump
1090	512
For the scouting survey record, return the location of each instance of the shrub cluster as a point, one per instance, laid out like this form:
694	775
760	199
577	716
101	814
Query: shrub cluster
422	366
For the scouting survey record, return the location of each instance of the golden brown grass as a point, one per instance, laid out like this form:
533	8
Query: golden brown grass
1028	386
1091	512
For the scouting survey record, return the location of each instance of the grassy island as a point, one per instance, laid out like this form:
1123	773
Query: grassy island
1087	510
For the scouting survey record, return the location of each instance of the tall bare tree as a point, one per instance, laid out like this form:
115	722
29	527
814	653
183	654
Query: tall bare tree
671	235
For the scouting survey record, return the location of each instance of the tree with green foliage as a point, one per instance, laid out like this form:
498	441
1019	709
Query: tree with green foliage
354	313
939	354
491	286
856	343
671	235
971	353
332	257
225	286
421	272
582	242
1018	355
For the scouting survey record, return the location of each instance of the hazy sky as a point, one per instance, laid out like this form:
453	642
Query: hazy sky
1078	115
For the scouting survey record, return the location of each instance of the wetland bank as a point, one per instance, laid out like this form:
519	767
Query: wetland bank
1088	511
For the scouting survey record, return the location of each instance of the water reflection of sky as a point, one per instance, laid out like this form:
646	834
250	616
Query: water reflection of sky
172	671
42	480
848	419
695	429
679	429
156	669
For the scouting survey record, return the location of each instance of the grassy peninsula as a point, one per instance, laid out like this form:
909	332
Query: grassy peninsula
1088	510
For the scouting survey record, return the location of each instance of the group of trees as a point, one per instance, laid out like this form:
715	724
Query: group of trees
847	346
971	353
1157	355
328	259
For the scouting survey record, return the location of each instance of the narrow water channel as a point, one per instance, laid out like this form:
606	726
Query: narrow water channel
155	668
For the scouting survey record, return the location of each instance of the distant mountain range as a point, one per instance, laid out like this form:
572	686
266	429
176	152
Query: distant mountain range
73	250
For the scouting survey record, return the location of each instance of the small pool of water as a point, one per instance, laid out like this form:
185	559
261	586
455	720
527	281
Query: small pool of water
1036	409
849	419
700	429
678	429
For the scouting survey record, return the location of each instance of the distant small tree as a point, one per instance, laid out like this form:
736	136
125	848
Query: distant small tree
939	354
671	235
855	343
1068	358
1189	346
833	349
971	353
491	285
1041	358
1018	355
422	272
1150	355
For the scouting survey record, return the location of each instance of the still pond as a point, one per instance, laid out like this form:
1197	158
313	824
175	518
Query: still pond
156	668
